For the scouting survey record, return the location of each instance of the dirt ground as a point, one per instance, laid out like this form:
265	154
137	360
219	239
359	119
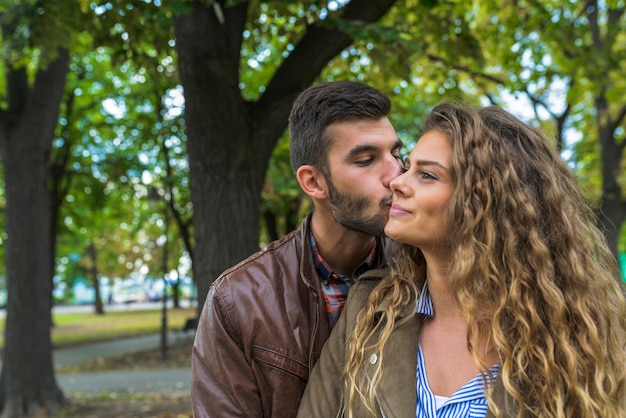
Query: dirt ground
128	408
156	405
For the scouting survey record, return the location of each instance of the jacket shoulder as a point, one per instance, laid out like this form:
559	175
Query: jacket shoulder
277	254
361	290
373	274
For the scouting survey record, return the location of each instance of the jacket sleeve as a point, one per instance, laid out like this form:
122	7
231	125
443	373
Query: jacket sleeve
222	381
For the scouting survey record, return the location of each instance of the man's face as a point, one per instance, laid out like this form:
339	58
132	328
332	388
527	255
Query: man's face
363	159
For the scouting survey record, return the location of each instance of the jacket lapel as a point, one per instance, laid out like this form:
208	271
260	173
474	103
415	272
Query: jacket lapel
397	393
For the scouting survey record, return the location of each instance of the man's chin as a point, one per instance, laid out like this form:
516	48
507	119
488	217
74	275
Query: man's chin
369	228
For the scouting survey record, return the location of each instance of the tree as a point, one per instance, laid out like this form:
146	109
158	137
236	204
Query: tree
37	39
231	132
566	60
27	123
110	140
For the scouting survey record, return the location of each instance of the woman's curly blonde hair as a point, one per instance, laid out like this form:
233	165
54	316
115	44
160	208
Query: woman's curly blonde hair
531	272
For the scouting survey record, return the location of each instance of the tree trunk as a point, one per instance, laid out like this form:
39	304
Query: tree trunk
165	273
176	294
609	118
28	383
184	227
612	204
59	184
271	225
230	140
93	271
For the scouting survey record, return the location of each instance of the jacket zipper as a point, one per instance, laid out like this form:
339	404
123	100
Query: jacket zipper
380	406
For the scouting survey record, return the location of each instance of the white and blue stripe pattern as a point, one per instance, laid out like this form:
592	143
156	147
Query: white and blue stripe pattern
468	401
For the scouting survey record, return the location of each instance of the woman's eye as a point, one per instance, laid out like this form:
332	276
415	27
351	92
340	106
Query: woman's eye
427	176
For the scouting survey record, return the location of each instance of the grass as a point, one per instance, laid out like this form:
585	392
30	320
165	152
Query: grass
86	327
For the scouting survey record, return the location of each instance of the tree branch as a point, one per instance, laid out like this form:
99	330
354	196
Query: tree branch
321	42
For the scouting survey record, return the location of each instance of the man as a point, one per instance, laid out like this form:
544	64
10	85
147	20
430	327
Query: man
265	320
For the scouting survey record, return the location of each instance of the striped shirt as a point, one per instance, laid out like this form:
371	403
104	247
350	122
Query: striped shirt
467	402
335	286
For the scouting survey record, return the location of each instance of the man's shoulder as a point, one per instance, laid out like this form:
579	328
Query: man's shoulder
282	254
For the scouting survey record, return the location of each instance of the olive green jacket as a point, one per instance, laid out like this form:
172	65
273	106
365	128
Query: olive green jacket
397	393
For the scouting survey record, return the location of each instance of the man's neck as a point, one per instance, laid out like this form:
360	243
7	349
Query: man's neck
342	249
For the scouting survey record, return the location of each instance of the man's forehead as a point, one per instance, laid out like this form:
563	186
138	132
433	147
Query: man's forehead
362	135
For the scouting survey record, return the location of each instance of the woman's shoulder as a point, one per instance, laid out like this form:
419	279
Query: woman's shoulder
373	275
366	284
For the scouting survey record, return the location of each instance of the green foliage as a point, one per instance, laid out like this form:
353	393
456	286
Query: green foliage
282	195
36	29
565	58
273	26
120	109
420	53
140	31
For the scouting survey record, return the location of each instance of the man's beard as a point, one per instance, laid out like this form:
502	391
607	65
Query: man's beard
348	209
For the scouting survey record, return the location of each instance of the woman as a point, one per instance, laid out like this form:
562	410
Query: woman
503	299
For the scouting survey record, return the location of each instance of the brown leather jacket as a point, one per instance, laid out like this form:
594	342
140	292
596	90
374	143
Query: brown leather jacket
260	333
396	395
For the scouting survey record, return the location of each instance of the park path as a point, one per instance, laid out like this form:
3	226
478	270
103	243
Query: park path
171	381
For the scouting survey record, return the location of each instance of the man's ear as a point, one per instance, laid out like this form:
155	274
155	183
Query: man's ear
311	181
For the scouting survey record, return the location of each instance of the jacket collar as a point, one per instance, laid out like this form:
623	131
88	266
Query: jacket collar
406	311
307	265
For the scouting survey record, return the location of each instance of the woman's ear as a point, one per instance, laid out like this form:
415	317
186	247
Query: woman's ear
311	181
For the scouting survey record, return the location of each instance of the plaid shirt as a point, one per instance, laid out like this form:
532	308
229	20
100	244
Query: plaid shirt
335	286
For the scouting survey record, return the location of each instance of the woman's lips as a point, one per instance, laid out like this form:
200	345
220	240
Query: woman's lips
397	210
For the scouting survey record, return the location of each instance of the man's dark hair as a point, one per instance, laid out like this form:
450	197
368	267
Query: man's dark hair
323	104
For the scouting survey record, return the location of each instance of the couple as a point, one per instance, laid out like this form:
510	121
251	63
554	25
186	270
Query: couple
500	297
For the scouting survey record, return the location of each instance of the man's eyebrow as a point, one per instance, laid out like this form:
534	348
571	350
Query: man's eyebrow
362	148
368	147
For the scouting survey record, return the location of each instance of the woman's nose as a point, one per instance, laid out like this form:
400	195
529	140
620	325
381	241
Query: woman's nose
397	184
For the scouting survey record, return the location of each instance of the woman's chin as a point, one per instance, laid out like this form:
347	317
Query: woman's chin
392	229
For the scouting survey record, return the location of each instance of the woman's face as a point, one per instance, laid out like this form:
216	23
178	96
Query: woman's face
421	194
